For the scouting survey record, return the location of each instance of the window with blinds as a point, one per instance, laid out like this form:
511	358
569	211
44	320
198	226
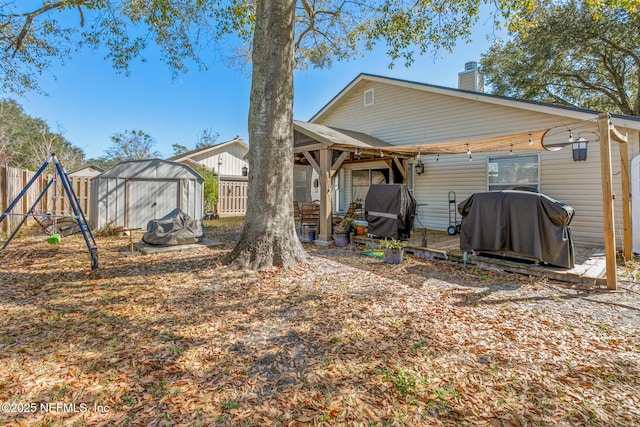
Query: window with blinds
514	172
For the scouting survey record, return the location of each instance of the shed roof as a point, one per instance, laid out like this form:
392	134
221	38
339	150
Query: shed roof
151	169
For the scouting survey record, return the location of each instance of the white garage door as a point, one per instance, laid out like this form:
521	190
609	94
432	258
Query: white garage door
151	200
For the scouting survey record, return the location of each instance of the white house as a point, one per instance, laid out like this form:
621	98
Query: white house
227	159
379	113
88	171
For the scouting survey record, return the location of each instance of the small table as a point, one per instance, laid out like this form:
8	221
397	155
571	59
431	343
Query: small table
130	231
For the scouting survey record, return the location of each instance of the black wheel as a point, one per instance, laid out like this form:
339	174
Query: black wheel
451	230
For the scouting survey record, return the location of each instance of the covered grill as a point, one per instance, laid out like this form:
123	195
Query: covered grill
390	210
175	228
525	224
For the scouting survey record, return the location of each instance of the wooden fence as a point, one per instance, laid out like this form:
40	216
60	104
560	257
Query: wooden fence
232	198
14	180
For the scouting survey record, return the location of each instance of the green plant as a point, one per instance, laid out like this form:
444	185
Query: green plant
210	187
390	243
347	225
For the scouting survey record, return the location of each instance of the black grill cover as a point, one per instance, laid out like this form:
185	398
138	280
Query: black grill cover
390	210
528	224
175	228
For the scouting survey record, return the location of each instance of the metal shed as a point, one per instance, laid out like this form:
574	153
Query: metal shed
132	193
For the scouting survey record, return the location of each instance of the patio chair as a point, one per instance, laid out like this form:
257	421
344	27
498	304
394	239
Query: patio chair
349	214
309	217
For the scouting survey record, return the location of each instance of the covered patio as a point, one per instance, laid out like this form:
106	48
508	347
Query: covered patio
328	149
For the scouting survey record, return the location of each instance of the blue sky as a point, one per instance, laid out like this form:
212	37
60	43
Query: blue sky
88	101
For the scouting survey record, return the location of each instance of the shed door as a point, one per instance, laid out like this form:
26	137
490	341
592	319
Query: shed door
149	200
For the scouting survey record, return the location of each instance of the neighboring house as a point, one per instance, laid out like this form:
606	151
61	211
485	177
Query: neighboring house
228	160
88	171
375	111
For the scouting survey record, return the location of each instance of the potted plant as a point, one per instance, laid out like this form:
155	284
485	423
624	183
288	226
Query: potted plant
393	250
342	230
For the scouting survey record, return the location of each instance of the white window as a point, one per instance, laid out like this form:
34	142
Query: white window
513	172
362	179
368	97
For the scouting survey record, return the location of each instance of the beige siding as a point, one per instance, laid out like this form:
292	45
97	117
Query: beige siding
402	116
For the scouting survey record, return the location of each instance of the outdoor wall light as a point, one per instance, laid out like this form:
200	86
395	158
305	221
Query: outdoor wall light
245	170
419	167
579	147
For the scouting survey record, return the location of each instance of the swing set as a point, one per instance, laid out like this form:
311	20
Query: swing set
49	222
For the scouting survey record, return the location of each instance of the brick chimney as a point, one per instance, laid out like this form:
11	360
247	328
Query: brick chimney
471	78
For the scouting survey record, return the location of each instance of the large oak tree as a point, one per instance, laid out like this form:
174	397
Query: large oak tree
572	56
278	35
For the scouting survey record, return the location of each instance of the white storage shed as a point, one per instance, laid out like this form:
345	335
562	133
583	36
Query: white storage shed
132	193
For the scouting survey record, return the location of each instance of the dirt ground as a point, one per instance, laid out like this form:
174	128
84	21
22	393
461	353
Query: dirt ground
178	339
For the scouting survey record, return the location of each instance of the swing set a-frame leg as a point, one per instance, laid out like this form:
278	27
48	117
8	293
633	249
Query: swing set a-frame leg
29	212
73	201
25	189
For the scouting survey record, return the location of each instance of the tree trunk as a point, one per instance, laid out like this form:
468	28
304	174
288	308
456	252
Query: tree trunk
269	236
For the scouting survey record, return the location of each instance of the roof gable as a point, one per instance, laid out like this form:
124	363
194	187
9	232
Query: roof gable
212	149
534	106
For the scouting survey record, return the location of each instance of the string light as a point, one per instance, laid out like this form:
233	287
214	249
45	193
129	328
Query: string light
511	150
570	136
530	140
438	158
469	152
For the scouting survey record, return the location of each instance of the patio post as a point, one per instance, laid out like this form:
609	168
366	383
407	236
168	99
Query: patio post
607	201
324	228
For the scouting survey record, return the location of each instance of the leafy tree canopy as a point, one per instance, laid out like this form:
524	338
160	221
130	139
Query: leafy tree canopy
127	145
36	33
572	56
207	138
26	142
179	149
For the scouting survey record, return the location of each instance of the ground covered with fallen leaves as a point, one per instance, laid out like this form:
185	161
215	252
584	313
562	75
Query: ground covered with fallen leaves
177	339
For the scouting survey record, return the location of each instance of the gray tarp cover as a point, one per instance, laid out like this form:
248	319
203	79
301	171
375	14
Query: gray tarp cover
390	210
175	228
523	223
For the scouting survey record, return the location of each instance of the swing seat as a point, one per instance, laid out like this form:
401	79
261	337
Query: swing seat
64	226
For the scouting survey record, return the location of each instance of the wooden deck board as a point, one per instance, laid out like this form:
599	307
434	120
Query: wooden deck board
589	267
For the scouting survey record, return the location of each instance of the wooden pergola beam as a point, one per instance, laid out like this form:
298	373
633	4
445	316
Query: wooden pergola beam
312	161
607	133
